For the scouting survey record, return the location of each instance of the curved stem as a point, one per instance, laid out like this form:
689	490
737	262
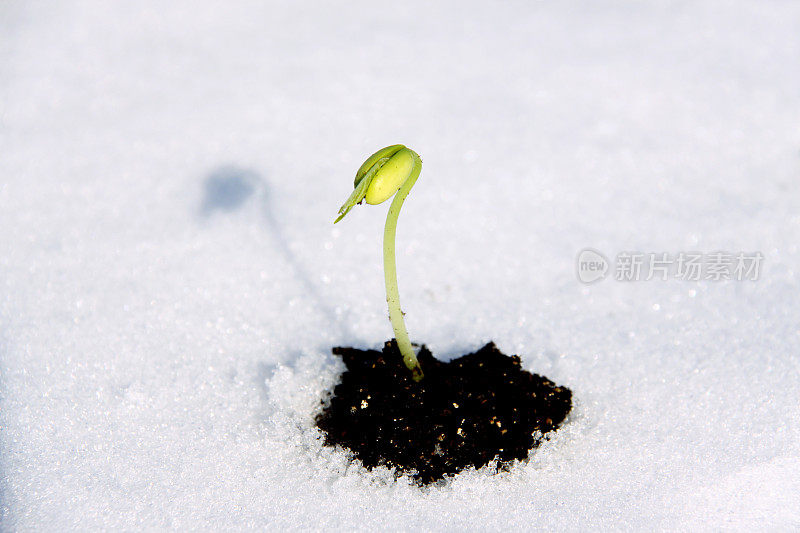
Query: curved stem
390	276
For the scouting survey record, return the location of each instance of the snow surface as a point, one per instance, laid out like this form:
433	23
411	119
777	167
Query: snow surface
171	282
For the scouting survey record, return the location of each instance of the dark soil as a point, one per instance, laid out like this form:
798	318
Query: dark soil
468	412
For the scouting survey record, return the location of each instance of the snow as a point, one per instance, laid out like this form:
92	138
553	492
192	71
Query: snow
171	282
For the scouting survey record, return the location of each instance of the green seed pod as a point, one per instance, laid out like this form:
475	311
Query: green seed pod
382	175
390	177
379	157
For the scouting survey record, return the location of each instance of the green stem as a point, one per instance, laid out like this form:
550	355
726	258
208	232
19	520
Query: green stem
390	276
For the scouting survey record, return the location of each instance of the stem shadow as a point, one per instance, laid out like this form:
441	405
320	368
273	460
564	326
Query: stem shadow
228	188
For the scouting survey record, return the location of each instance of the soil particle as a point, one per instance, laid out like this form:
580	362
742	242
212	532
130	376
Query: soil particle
468	412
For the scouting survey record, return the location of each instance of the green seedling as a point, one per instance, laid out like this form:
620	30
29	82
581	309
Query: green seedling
391	170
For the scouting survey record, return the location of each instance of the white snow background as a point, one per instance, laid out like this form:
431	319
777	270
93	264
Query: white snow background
171	282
